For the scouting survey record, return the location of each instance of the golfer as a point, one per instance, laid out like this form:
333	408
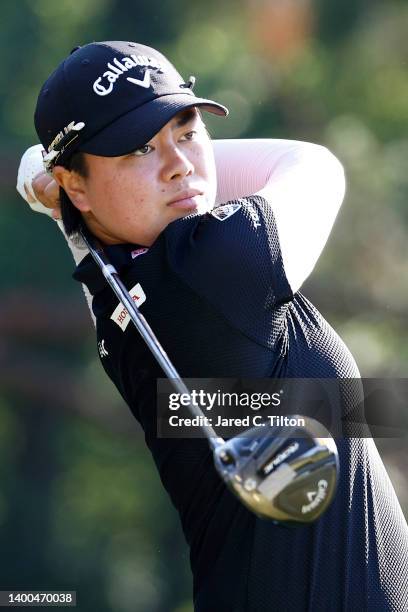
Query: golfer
216	270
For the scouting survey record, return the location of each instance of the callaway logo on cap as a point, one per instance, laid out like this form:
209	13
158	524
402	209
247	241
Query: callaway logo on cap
110	98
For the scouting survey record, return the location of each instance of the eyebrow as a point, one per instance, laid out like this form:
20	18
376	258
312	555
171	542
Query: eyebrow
185	117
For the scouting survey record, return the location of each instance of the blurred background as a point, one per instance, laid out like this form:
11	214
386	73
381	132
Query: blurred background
81	506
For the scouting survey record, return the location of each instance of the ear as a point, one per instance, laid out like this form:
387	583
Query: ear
74	186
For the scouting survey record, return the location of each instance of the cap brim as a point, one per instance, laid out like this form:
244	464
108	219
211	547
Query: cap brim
136	128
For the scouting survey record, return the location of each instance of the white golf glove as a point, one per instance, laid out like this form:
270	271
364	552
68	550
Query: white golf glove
31	164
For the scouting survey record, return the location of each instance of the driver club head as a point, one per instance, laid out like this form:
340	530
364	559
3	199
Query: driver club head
285	473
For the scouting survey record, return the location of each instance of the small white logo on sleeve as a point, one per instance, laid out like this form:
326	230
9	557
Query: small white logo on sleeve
223	212
120	315
138	252
102	350
253	214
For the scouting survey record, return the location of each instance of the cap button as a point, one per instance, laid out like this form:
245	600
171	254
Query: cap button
75	49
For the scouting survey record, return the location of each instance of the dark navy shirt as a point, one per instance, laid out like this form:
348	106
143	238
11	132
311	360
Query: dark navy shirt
214	290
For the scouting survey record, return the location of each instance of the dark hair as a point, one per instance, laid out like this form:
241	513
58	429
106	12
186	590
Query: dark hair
71	216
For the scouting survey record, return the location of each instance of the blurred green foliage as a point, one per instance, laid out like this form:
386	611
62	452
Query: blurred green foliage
81	506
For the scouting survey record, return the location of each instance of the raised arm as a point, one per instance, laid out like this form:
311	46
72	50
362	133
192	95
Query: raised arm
45	200
304	184
40	191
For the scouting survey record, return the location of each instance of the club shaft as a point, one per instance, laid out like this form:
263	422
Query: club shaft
113	279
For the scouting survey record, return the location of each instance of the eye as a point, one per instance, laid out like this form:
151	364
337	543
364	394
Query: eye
190	135
144	150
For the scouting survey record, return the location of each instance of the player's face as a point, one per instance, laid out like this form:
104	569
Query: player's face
134	197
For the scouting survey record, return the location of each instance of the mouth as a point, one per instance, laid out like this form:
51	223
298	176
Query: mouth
186	200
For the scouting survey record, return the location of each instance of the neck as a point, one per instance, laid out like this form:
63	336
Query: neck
106	237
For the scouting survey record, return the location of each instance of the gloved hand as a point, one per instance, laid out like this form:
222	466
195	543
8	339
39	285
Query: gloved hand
36	186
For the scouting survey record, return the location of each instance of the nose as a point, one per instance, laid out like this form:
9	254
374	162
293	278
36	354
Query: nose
176	164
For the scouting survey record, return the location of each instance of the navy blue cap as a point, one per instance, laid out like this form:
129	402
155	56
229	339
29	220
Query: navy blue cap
110	98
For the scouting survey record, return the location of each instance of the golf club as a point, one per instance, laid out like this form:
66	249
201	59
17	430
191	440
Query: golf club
288	474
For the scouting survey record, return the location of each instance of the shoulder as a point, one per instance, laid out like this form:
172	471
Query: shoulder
238	228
